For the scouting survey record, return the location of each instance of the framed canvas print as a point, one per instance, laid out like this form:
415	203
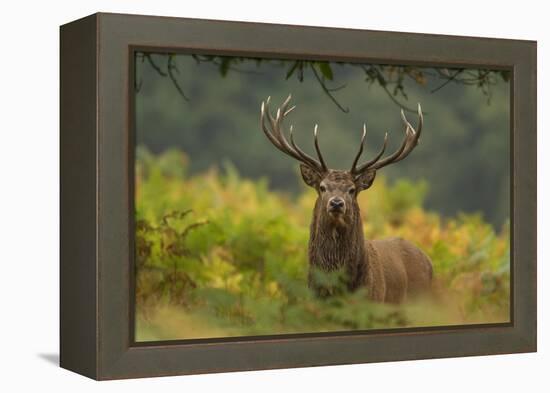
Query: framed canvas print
240	196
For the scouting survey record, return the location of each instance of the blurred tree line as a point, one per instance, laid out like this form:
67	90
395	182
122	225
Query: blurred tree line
208	106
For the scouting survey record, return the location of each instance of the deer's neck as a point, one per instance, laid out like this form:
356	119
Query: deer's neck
334	246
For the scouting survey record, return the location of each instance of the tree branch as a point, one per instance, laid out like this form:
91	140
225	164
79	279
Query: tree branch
383	75
326	90
449	80
171	68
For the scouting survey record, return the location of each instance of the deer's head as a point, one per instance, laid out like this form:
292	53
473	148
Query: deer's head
337	190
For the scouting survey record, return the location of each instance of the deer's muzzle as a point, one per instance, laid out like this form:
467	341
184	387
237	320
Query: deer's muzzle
336	206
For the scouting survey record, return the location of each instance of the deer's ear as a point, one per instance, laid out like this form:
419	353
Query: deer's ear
311	177
364	180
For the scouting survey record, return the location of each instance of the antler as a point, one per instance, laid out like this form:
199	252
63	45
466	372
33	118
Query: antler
277	137
409	143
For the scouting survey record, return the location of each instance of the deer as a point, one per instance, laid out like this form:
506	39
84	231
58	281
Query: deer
391	270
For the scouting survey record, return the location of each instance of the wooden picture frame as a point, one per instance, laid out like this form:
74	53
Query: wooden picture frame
96	314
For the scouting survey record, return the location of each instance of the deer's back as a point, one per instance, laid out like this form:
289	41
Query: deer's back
399	269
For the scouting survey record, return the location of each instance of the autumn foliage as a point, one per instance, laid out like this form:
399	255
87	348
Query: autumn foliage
220	255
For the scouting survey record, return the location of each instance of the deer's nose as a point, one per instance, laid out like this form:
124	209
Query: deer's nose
336	203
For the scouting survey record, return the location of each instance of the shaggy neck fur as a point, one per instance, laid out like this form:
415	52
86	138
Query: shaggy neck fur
337	244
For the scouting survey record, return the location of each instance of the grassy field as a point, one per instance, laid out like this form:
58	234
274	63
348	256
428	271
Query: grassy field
219	255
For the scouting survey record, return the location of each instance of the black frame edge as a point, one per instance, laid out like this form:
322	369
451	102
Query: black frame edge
78	197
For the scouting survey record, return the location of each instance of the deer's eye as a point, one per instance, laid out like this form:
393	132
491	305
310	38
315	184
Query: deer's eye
351	191
322	188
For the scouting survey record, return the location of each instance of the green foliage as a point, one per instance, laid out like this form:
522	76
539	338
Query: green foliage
221	255
326	70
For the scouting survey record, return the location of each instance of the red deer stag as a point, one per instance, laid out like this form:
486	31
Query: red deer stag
390	269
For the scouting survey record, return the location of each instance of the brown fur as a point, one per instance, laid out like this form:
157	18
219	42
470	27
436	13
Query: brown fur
402	269
391	269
